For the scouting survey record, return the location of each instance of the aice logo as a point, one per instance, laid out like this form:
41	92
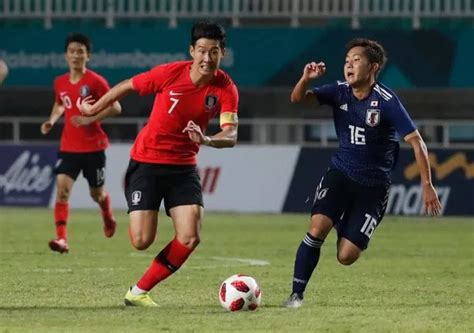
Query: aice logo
25	175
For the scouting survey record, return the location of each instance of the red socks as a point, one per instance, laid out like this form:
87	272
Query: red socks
106	207
61	215
166	263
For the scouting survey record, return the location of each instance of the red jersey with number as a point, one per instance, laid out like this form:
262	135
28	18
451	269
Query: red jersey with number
178	101
80	139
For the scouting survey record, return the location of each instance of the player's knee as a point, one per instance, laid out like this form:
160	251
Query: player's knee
190	241
97	196
141	243
347	258
63	195
320	226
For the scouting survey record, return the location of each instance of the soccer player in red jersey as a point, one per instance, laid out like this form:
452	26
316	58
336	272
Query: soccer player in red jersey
81	148
163	157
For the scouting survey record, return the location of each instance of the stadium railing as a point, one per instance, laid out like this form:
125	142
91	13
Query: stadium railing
235	10
308	132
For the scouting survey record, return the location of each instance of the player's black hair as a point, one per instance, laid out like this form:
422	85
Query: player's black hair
78	38
373	50
209	30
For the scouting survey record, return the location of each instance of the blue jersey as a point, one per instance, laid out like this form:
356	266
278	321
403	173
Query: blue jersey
368	131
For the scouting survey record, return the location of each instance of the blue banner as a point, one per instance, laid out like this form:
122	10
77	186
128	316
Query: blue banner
26	175
452	174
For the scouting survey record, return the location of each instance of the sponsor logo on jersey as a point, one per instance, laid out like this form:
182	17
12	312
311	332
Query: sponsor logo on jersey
175	93
136	197
372	117
210	103
343	107
84	91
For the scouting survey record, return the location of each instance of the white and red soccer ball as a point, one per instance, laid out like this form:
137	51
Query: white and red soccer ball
240	292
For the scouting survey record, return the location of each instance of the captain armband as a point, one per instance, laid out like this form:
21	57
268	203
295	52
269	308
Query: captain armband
228	118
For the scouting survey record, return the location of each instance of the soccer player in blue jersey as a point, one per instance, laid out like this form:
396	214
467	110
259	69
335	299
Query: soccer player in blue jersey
352	195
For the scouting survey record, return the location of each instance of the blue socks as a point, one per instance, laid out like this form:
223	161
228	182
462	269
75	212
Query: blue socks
307	258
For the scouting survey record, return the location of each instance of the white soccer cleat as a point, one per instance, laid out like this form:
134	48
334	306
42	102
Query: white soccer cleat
294	301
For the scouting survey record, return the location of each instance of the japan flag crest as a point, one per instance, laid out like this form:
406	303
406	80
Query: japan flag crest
372	117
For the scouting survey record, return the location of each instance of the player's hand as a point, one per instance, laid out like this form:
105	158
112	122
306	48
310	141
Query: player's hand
431	201
314	70
85	105
81	121
46	127
194	132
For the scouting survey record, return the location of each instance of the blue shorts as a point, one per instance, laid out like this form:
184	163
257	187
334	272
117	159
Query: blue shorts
354	209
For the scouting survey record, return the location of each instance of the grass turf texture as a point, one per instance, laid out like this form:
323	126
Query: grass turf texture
415	277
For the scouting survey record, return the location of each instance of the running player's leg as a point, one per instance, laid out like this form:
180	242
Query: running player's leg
365	215
187	223
142	232
329	204
94	172
66	170
183	203
142	228
144	194
102	198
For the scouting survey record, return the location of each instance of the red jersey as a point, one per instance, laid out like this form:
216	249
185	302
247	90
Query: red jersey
80	139
178	101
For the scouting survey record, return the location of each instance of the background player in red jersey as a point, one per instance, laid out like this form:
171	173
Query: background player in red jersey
81	148
163	157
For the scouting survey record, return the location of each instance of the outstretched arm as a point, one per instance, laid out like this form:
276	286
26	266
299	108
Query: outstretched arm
430	197
56	113
300	92
116	93
111	111
226	138
107	106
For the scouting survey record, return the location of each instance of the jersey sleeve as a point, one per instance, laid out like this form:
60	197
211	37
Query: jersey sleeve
57	97
102	86
399	118
150	82
327	94
229	106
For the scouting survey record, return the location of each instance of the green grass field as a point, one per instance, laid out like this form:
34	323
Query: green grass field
417	276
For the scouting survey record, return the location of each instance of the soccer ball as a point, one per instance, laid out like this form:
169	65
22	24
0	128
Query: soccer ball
240	292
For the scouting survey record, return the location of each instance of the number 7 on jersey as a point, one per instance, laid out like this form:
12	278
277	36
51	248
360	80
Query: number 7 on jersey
175	102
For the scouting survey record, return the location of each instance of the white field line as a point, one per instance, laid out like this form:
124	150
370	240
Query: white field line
70	270
220	262
248	261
